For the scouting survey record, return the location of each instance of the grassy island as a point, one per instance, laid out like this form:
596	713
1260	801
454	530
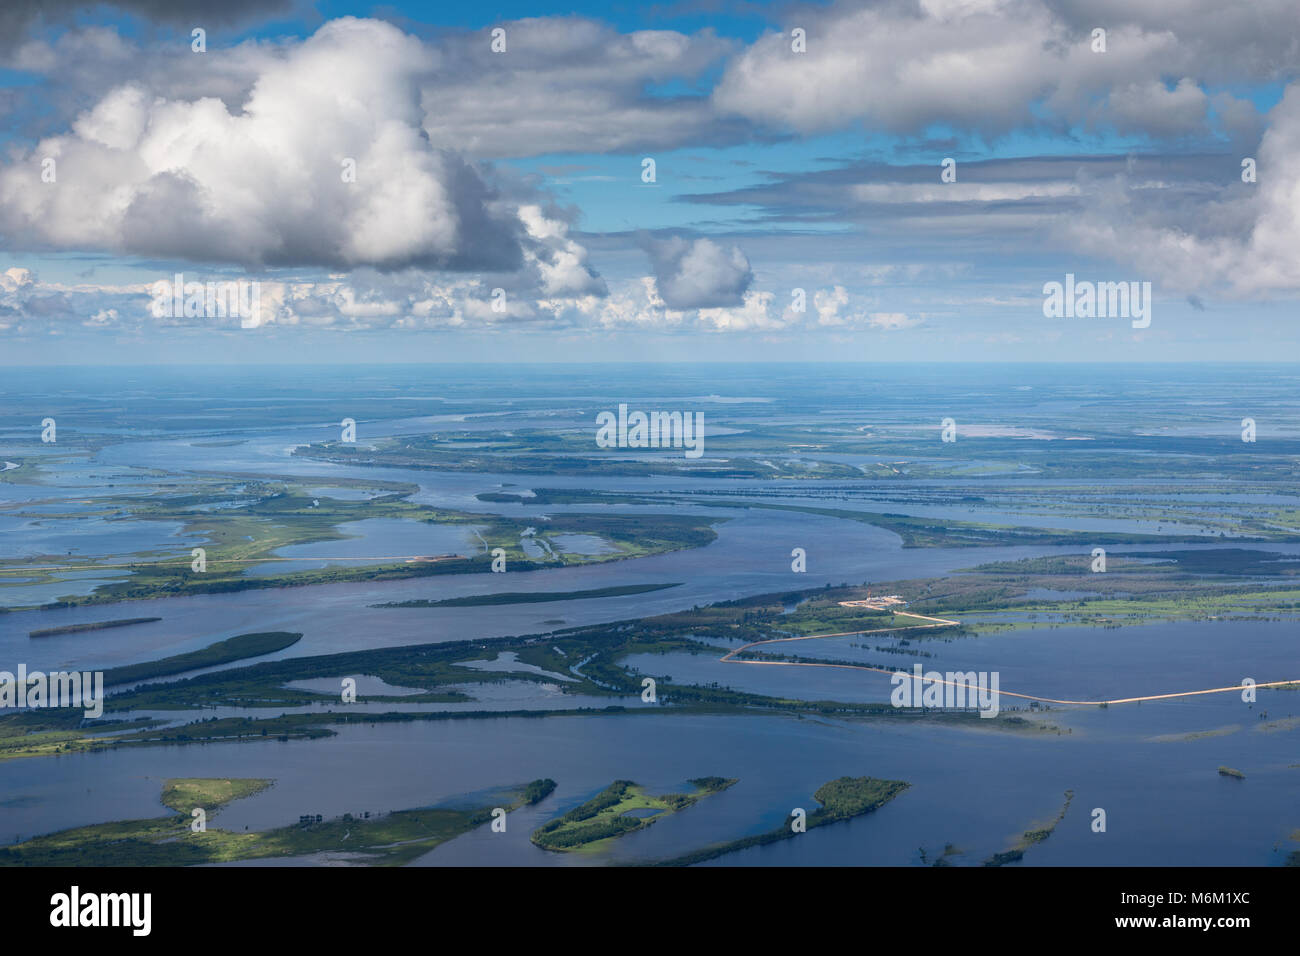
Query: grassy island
605	816
841	799
386	839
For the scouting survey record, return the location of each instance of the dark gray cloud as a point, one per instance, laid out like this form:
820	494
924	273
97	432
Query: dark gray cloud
17	17
698	273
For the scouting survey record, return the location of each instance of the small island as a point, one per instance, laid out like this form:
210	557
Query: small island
841	799
610	814
532	597
90	626
232	649
1030	837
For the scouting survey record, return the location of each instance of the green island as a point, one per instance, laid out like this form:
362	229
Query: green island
389	839
244	521
840	800
90	626
1030	837
183	794
533	597
51	732
603	818
1231	772
221	652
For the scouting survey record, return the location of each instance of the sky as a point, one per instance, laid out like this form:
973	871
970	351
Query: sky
685	181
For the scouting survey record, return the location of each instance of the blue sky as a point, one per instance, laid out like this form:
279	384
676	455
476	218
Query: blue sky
497	208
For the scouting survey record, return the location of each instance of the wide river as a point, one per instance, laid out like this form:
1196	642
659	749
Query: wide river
1151	768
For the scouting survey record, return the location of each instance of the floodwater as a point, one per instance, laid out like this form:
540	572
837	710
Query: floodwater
1152	768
